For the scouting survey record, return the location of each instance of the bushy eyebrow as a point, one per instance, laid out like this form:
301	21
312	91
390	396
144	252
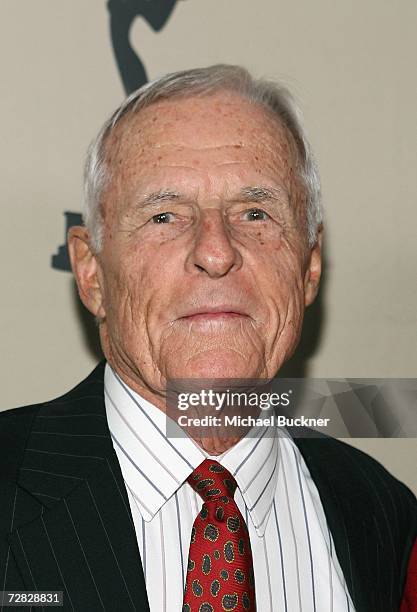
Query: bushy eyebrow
261	194
157	197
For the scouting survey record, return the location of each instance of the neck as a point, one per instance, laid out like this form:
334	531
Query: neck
213	440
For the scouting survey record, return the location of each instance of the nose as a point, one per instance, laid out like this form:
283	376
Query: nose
213	251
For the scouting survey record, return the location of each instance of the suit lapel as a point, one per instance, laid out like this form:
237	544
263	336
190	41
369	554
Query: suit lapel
82	539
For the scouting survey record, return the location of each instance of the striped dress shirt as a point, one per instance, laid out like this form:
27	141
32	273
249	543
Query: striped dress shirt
295	563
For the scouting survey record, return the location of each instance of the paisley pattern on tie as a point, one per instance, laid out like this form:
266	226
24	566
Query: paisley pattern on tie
220	567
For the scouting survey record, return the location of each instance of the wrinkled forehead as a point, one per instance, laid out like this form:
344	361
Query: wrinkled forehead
205	124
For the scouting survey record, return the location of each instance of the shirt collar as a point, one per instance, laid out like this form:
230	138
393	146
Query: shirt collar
154	467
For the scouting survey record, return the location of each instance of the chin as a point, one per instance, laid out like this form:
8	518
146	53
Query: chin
219	364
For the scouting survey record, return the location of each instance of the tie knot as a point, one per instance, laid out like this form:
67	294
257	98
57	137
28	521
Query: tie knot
212	481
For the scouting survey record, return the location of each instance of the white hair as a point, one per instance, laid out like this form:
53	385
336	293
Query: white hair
200	82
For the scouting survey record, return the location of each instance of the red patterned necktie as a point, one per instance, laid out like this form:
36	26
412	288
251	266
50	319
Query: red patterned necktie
220	568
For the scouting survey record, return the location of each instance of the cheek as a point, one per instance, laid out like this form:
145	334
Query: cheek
280	265
283	293
120	286
136	286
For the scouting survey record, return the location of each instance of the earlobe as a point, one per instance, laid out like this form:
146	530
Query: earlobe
85	267
313	272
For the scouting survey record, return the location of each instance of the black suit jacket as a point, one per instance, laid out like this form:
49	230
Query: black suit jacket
65	520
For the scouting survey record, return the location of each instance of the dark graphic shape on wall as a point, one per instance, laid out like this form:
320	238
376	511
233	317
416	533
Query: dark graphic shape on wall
131	69
122	15
61	261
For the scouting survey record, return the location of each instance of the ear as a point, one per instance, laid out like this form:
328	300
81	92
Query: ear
313	272
85	267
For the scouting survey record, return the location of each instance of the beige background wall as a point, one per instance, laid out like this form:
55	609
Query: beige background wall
352	66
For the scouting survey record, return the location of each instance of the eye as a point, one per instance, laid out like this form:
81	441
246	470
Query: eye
162	217
256	214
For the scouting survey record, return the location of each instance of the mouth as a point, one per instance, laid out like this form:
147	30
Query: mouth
213	316
214	313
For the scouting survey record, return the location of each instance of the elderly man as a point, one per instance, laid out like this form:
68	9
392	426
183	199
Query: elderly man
200	251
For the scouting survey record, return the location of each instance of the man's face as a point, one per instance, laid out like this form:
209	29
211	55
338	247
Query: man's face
205	269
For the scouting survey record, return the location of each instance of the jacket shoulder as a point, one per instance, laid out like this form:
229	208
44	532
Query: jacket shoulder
95	378
16	423
368	467
353	473
15	428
